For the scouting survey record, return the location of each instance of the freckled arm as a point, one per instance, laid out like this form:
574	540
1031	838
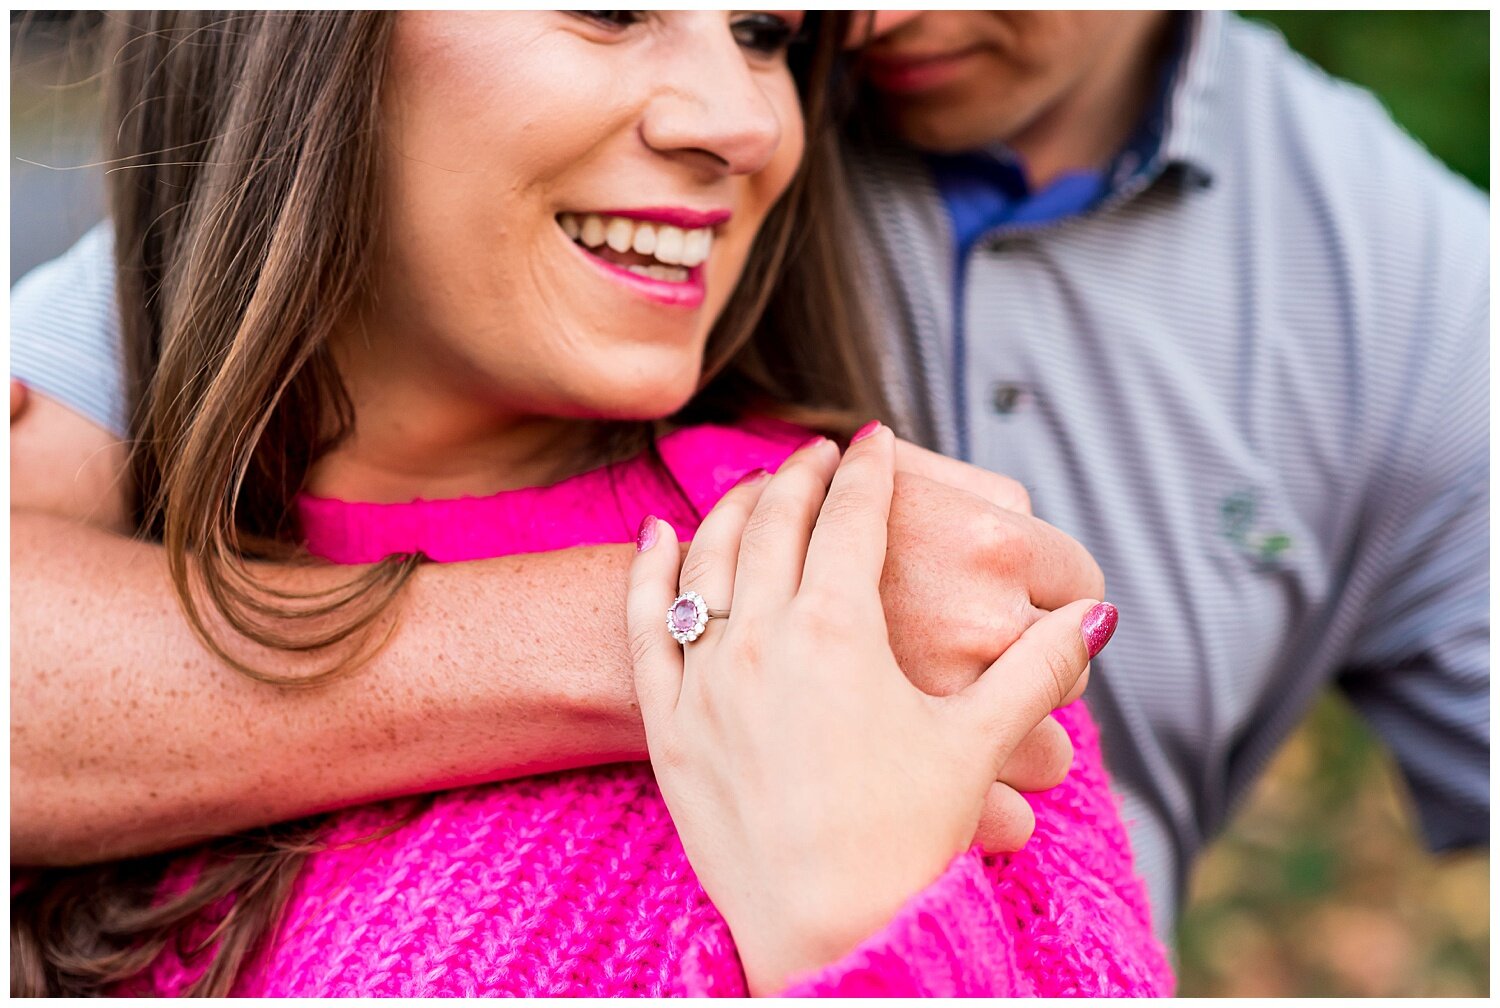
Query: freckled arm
128	736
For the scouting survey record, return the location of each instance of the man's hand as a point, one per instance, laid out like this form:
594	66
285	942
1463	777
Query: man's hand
1001	491
17	399
963	544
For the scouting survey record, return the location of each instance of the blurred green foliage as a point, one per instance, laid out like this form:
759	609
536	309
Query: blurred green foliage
1430	68
1321	885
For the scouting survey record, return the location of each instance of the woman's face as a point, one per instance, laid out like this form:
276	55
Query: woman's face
569	200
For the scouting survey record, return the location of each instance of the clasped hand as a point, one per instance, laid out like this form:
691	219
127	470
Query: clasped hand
815	787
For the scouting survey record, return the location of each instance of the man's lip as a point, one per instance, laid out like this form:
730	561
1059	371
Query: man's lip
911	73
681	217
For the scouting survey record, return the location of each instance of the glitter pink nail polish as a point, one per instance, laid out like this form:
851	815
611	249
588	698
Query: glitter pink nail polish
865	431
815	439
1099	626
646	537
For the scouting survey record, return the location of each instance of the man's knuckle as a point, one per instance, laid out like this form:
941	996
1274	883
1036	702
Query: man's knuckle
1003	619
993	532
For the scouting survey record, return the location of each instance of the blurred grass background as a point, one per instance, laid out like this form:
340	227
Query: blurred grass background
1320	886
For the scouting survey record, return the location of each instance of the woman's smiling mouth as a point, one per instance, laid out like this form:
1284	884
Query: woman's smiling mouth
657	253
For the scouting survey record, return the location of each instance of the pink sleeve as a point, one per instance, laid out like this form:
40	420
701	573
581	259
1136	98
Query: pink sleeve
949	940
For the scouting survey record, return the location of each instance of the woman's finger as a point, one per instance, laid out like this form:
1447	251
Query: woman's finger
774	547
709	566
847	550
1037	674
655	656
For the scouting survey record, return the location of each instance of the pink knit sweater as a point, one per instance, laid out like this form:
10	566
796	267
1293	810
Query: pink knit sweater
576	883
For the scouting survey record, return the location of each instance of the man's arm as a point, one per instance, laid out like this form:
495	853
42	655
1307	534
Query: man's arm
1420	673
129	736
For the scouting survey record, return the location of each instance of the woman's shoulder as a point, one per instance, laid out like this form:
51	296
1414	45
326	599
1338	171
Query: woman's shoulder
707	459
603	505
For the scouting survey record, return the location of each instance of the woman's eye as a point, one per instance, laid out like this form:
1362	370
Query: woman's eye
765	34
612	18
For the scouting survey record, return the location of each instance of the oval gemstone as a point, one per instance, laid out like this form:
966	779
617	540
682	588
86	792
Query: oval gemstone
684	615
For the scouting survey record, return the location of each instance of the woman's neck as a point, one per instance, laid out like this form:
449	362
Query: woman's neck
386	460
415	437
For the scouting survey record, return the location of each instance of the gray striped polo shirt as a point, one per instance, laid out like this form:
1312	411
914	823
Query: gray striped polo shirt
1254	383
1254	386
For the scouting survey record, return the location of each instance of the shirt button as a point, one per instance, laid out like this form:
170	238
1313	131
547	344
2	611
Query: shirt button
1007	397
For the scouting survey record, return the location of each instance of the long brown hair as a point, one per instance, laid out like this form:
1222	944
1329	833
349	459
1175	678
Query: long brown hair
244	154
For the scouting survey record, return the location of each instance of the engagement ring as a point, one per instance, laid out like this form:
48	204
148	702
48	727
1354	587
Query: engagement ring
688	616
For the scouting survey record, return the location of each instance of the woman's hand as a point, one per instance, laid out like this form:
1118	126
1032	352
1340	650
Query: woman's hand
814	787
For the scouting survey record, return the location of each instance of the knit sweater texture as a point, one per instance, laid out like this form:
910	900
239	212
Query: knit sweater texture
576	883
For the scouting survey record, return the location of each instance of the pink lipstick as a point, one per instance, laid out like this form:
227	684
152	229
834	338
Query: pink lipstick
680	217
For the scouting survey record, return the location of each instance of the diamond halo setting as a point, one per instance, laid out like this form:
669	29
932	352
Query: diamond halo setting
687	616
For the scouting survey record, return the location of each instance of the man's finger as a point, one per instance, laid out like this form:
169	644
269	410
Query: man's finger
1057	566
655	656
1042	759
17	399
1037	674
1059	569
1001	491
1006	821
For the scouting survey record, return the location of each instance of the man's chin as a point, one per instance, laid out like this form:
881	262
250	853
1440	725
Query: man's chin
928	129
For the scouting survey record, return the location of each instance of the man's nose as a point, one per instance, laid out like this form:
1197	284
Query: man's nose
867	26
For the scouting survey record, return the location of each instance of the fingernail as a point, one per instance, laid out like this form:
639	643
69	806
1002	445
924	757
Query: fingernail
646	537
1099	626
865	431
753	476
816	439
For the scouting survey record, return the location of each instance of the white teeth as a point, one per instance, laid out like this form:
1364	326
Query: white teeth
619	233
645	239
695	247
671	274
593	231
669	245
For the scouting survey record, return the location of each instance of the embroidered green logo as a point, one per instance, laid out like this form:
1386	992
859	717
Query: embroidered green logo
1237	524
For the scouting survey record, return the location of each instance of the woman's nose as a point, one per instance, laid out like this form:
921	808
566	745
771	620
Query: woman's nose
715	112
